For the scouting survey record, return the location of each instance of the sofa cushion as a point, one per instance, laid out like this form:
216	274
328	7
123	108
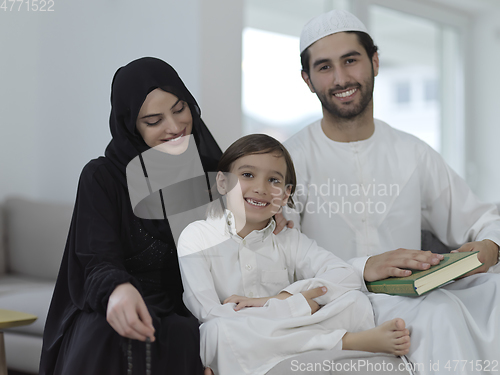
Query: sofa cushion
36	235
27	295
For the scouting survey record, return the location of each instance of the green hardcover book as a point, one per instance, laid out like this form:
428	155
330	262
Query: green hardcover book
451	267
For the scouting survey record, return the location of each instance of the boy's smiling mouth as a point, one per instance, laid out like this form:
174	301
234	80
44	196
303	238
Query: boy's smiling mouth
256	203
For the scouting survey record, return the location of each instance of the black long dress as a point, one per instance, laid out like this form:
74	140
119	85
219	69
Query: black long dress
108	245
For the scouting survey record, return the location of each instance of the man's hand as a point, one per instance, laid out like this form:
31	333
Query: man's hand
313	293
242	301
128	315
398	263
281	222
488	254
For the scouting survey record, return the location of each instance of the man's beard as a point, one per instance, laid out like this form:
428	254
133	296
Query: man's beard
346	112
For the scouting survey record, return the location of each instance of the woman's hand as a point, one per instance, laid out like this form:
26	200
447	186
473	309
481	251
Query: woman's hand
128	315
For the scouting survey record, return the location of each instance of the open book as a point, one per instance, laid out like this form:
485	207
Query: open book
451	267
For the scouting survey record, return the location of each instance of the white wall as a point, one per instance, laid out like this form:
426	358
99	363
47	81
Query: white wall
56	70
220	67
483	131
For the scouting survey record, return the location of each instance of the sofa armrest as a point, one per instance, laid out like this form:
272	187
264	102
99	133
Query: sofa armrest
429	242
36	233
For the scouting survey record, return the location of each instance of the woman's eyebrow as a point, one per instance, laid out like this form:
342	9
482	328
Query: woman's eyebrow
159	114
178	100
151	115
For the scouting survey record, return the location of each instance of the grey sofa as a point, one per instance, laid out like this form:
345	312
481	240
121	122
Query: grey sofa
32	239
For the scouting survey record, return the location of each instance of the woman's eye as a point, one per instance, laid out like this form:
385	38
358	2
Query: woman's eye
152	123
246	174
182	107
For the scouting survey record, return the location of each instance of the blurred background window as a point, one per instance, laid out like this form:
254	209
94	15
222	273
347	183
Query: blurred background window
412	93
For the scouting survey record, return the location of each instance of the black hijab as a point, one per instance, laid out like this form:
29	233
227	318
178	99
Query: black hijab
131	84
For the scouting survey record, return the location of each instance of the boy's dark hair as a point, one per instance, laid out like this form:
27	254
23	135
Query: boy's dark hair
364	39
259	144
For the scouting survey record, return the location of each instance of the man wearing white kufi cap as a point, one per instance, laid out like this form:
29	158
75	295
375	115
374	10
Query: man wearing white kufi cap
370	189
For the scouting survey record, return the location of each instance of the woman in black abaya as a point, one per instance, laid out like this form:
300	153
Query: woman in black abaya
119	277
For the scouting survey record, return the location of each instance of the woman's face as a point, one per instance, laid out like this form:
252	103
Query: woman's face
164	120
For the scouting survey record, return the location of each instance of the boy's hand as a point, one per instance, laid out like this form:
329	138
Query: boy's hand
242	301
313	293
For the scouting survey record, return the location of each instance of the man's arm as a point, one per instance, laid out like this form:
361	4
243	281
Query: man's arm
281	223
454	214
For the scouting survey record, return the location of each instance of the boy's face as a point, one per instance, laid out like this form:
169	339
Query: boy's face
260	191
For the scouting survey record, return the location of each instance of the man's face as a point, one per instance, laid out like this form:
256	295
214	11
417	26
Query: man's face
341	74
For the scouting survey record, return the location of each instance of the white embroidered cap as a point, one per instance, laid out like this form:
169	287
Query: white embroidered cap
329	23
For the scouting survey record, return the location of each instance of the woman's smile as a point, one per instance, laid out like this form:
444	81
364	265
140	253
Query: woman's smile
176	139
164	119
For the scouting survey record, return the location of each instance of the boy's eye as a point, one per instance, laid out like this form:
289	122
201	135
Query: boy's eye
324	67
274	180
350	61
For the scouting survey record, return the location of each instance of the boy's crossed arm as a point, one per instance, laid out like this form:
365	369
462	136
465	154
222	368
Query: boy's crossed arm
242	302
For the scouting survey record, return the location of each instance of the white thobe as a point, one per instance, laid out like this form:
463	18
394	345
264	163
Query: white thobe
216	263
376	195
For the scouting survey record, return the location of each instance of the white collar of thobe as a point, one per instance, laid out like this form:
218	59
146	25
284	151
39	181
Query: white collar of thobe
226	225
355	144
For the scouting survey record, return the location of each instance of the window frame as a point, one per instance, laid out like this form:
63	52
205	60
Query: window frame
454	112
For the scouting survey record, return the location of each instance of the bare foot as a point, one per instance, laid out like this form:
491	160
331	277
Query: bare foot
390	337
208	371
